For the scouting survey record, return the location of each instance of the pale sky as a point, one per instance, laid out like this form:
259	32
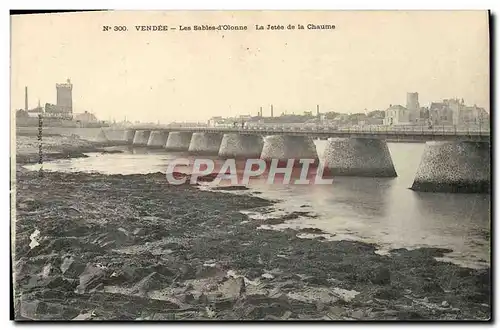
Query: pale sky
372	59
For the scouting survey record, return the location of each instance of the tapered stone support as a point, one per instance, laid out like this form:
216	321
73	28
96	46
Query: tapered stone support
285	147
358	157
128	136
101	137
157	139
460	167
236	145
205	143
115	135
141	138
178	141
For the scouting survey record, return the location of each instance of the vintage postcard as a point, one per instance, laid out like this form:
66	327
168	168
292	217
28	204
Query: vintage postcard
251	165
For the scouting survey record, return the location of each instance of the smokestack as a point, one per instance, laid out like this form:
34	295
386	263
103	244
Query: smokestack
26	98
260	113
272	115
317	110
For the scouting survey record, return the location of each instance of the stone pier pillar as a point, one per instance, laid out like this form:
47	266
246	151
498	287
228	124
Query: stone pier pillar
157	139
102	137
128	135
460	167
205	143
358	157
285	147
141	138
236	145
115	135
178	141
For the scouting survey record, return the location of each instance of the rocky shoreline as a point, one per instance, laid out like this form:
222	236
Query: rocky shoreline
133	247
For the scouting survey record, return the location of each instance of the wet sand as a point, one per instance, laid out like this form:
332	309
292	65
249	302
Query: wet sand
133	247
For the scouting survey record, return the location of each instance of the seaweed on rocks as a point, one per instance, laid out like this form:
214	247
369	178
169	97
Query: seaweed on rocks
134	247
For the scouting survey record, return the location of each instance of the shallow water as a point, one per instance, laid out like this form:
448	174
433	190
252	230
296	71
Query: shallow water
382	211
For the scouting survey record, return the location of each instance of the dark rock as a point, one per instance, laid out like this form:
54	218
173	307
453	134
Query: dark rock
231	188
187	272
70	267
358	314
387	293
189	298
130	272
310	230
321	280
162	316
60	312
91	277
153	281
139	231
29	205
38	310
84	317
208	271
33	309
62	284
381	276
99	287
409	315
432	287
233	287
477	297
162	270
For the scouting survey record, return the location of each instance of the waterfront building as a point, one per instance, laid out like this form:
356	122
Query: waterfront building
397	115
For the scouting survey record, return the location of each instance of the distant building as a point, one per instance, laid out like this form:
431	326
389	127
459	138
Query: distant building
412	102
424	114
473	115
53	111
65	96
21	113
455	112
35	112
440	113
64	106
214	121
397	115
85	117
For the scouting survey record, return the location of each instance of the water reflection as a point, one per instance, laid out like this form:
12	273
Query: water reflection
368	197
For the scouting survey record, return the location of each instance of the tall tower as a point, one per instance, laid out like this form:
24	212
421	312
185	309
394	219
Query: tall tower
272	115
26	98
65	97
412	101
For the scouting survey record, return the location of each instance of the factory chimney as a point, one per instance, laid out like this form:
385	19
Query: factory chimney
26	98
260	113
317	110
272	115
